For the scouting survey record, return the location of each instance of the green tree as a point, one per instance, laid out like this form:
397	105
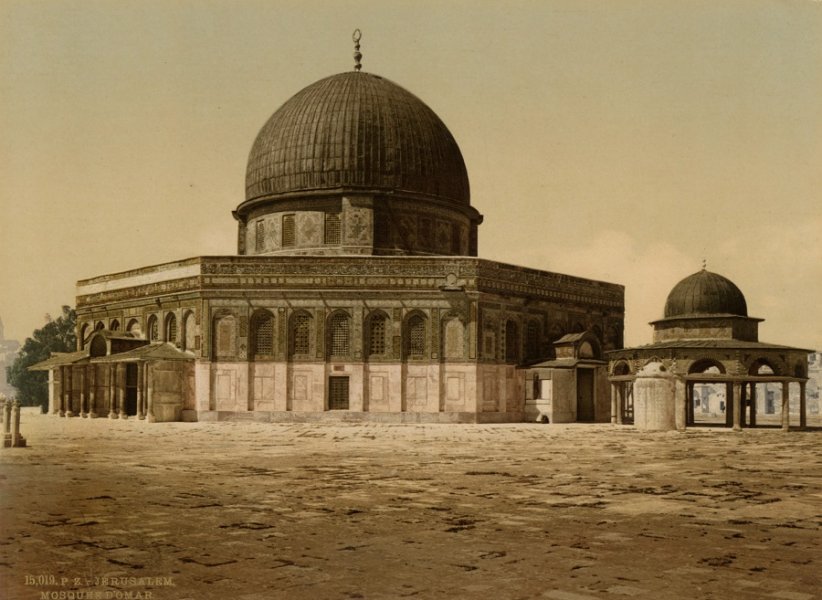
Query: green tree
56	336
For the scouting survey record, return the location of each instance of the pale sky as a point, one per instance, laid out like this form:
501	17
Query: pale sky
620	140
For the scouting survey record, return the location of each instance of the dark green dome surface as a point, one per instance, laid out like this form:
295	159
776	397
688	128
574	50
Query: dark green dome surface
356	131
705	293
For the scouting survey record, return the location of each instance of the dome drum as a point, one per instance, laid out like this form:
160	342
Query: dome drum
355	164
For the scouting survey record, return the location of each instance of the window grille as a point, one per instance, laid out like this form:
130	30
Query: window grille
301	334
416	337
332	228
153	329
171	329
376	341
338	393
289	234
259	236
264	335
340	335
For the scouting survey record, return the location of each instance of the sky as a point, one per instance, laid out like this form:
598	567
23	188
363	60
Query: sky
625	140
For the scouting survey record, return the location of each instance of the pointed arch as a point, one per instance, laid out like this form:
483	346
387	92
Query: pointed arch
532	339
114	325
153	329
415	336
170	328
189	331
133	327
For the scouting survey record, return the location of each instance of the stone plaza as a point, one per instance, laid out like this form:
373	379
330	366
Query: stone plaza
170	511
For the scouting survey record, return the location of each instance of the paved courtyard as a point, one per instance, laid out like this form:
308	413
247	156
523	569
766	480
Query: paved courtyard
113	509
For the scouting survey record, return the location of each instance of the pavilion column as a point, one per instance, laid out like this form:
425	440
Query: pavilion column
786	406
743	400
737	400
112	391
689	397
83	380
753	404
92	392
70	383
614	402
141	410
121	389
149	395
622	386
61	410
729	402
803	418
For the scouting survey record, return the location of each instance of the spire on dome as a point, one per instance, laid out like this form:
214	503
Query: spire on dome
357	36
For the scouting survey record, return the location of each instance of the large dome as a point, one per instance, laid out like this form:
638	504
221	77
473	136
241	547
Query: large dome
705	293
356	131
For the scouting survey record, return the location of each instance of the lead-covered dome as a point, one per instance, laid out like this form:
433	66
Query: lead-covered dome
356	131
705	293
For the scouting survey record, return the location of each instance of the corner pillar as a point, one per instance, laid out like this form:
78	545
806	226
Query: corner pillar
803	418
737	406
786	406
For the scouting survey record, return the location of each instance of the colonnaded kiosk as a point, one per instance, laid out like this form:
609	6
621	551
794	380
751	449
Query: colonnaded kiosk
706	337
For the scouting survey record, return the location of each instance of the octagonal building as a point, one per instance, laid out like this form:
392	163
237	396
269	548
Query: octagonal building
356	292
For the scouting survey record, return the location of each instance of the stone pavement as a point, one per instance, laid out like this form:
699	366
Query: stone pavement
169	511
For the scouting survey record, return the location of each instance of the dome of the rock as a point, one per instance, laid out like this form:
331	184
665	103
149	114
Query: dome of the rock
705	293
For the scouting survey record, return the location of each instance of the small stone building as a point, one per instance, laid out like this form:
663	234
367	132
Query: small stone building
706	338
356	292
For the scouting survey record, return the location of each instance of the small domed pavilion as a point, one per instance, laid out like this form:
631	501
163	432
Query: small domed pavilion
705	338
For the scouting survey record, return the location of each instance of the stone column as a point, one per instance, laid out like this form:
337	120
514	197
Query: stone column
141	410
737	400
83	412
689	402
622	391
614	402
743	401
61	404
149	395
112	391
121	389
92	392
786	406
803	419
69	385
753	404
17	440
729	402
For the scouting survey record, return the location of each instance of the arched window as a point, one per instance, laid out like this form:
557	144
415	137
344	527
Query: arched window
189	332
134	328
532	340
376	334
415	337
332	228
114	325
171	328
511	342
99	326
262	334
453	339
224	336
83	335
339	334
301	334
153	329
289	238
259	236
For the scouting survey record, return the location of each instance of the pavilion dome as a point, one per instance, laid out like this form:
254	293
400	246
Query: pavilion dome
705	293
356	132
